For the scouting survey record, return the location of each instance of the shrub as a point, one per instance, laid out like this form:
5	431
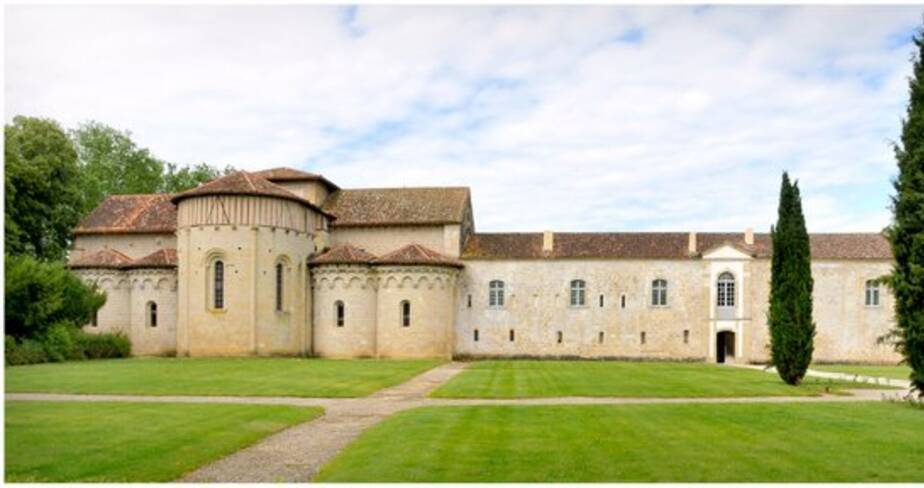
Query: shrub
40	295
59	343
24	352
101	346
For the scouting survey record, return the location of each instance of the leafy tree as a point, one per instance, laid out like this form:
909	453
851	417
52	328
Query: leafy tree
41	295
177	180
44	199
111	163
792	330
906	233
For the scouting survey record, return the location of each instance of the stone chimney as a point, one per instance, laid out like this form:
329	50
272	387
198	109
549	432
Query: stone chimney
749	236
691	243
548	241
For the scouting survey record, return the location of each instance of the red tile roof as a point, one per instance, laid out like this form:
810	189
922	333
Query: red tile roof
131	214
399	206
244	183
164	258
282	174
346	254
666	245
105	258
417	254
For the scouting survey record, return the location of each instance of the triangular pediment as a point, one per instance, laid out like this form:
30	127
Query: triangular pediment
727	251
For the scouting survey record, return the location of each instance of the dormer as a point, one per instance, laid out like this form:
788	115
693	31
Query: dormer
310	186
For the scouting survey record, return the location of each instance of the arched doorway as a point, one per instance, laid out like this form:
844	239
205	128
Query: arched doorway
724	346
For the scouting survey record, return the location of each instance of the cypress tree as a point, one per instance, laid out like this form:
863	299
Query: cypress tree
906	233
792	330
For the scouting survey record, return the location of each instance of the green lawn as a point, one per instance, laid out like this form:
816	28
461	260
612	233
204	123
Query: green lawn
897	372
217	376
113	441
833	442
522	379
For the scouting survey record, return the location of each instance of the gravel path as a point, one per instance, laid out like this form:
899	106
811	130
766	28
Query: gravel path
297	453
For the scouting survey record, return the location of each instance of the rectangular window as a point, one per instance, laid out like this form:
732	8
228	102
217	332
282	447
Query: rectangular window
872	294
686	337
511	335
600	337
475	337
578	288
340	310
469	301
405	313
560	337
642	338
601	301
622	301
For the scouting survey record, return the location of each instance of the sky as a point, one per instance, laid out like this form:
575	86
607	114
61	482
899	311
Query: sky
594	118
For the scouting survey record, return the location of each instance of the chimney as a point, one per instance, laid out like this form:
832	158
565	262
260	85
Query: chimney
691	245
749	236
548	241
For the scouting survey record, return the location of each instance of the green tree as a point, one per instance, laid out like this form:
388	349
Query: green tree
111	163
181	179
792	331
44	199
40	295
906	233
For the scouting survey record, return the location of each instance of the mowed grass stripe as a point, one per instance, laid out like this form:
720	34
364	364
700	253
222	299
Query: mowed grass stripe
537	378
296	377
126	442
834	442
898	372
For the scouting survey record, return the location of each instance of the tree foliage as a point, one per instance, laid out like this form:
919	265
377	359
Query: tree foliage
792	330
906	233
41	295
43	200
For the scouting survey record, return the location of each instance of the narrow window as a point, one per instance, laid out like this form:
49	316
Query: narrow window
340	313
219	292
601	301
279	290
686	336
476	335
642	338
560	337
469	302
406	313
725	290
496	293
659	293
600	337
94	322
872	293
577	293
511	335
152	314
622	301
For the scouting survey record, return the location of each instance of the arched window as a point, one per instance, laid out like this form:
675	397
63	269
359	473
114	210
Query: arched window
496	293
279	287
659	293
339	313
578	288
872	293
405	313
152	314
725	290
219	285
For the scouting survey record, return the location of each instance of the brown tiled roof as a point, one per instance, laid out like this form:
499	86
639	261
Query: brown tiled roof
243	183
346	254
667	245
417	254
130	214
105	258
290	174
164	258
399	206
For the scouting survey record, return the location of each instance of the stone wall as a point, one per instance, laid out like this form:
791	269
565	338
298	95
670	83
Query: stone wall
431	294
356	287
132	245
383	240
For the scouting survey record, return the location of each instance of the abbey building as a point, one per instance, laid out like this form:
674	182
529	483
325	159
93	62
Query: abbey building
283	262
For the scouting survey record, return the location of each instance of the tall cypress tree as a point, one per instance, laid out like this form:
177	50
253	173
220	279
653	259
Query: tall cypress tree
906	233
792	331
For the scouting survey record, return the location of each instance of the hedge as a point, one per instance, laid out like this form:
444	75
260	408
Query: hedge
63	343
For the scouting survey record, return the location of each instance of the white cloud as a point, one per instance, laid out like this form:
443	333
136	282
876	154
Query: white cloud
584	118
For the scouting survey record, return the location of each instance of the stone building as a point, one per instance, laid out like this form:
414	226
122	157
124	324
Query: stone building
285	262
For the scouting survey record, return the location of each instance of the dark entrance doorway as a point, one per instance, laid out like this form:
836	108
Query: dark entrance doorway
724	346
